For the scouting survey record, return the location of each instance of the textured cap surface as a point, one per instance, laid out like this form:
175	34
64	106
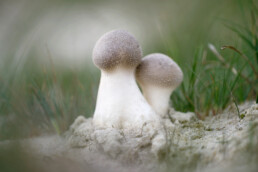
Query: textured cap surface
159	69
117	48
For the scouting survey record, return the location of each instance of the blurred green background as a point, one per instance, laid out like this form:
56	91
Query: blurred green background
47	77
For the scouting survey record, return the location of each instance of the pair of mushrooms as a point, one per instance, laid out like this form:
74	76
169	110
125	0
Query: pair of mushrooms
120	103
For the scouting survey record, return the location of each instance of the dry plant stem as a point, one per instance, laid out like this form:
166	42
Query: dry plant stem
222	60
243	56
234	100
254	30
188	98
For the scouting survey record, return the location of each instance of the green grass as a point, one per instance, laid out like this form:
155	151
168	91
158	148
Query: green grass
212	81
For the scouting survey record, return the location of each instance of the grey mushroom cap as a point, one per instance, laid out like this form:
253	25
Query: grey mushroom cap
117	48
160	70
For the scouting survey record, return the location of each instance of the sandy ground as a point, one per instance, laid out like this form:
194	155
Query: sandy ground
225	142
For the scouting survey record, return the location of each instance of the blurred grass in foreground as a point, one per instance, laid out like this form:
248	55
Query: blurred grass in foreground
42	101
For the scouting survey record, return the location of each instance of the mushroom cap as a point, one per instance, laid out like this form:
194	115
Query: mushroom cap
117	48
159	70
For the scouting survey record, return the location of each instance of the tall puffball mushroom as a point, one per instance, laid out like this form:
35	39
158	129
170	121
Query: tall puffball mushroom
158	76
120	103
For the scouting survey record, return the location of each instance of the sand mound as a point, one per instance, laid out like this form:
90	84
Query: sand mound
139	146
222	142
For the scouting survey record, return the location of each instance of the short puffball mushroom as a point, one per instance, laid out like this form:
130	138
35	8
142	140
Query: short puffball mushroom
120	103
158	75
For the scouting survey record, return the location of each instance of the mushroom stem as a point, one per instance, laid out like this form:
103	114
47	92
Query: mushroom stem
158	98
120	103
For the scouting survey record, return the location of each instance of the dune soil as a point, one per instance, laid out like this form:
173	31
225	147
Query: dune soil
224	142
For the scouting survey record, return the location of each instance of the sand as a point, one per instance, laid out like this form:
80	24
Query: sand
225	142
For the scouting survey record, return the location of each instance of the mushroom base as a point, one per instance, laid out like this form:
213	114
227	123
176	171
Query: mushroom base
158	98
120	103
139	145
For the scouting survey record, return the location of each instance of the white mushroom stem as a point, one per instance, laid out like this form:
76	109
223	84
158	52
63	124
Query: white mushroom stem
120	103
158	98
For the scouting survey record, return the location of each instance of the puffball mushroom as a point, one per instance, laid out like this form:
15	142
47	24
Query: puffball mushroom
120	103
158	75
